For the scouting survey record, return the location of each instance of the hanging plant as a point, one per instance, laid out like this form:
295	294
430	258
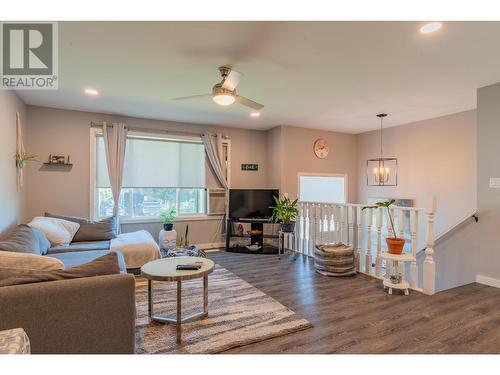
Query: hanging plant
22	158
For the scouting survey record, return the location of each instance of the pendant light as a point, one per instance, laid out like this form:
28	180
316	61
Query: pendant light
382	171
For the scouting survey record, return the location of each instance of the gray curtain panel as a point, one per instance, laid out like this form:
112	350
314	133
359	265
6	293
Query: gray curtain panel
115	139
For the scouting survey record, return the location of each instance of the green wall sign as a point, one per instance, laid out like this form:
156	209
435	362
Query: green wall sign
249	167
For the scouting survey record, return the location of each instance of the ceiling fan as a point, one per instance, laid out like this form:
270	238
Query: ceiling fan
224	92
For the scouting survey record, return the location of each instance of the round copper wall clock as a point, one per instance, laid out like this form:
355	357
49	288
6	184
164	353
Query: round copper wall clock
321	148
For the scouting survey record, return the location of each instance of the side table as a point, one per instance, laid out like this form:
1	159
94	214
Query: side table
165	270
398	265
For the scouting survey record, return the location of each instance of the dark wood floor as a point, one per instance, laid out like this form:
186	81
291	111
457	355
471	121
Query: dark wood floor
355	315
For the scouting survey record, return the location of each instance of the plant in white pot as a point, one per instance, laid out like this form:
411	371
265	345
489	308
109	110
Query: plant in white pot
168	216
395	244
285	212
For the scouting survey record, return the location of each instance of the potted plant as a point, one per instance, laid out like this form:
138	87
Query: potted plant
168	217
396	278
285	212
394	244
22	158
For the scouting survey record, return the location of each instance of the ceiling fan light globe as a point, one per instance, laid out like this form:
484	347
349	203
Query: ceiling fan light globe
223	99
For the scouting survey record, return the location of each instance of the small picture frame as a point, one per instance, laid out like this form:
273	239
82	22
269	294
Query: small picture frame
58	159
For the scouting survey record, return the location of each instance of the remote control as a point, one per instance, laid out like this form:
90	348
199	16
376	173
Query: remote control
188	267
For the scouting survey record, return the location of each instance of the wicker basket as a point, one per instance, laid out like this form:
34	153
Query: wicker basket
335	259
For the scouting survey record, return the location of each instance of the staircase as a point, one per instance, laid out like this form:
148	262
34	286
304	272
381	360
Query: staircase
366	230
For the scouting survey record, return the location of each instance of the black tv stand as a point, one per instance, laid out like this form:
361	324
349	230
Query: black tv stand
256	224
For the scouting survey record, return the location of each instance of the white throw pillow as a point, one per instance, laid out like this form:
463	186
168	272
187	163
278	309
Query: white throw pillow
10	260
58	231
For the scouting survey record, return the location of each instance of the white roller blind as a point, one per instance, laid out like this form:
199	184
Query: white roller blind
156	163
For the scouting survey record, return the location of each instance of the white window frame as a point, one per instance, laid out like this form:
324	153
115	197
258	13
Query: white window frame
95	132
312	174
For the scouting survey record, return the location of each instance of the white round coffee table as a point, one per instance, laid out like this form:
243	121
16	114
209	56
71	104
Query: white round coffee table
165	270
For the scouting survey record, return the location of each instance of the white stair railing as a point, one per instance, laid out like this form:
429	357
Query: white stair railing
366	230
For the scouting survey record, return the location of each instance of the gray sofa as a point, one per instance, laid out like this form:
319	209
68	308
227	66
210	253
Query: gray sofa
78	253
85	315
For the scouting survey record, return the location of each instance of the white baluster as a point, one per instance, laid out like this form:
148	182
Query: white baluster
331	224
368	252
321	222
342	224
401	222
429	265
389	265
312	235
378	259
414	231
318	225
335	223
350	217
359	219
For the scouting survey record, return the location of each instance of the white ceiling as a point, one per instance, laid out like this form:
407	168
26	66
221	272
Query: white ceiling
327	75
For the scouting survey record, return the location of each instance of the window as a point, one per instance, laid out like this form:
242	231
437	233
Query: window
159	173
325	188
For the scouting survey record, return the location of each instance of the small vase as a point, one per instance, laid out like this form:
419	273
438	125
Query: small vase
168	226
395	245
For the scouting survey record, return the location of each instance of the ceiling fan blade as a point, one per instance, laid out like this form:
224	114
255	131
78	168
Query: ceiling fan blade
248	102
191	97
232	80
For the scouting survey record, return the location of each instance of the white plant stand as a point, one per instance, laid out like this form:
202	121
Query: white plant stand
398	261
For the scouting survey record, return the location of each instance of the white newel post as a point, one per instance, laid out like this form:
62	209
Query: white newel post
429	265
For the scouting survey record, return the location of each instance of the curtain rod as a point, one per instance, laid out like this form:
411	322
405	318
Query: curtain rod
161	131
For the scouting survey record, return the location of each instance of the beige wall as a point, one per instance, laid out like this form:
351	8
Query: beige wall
298	156
435	157
11	199
61	131
428	153
274	149
486	245
67	191
472	250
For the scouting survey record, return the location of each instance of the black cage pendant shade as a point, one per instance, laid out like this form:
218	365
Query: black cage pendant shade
382	171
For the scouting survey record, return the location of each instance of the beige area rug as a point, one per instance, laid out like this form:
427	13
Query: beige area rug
239	314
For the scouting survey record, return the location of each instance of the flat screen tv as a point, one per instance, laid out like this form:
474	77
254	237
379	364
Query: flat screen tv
251	203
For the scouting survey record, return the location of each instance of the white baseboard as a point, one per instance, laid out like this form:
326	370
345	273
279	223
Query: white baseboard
209	246
480	279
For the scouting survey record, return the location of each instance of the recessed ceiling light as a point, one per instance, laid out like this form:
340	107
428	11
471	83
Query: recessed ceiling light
91	92
430	27
254	114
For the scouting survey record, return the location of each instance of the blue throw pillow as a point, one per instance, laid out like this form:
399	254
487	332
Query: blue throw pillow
43	242
21	239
